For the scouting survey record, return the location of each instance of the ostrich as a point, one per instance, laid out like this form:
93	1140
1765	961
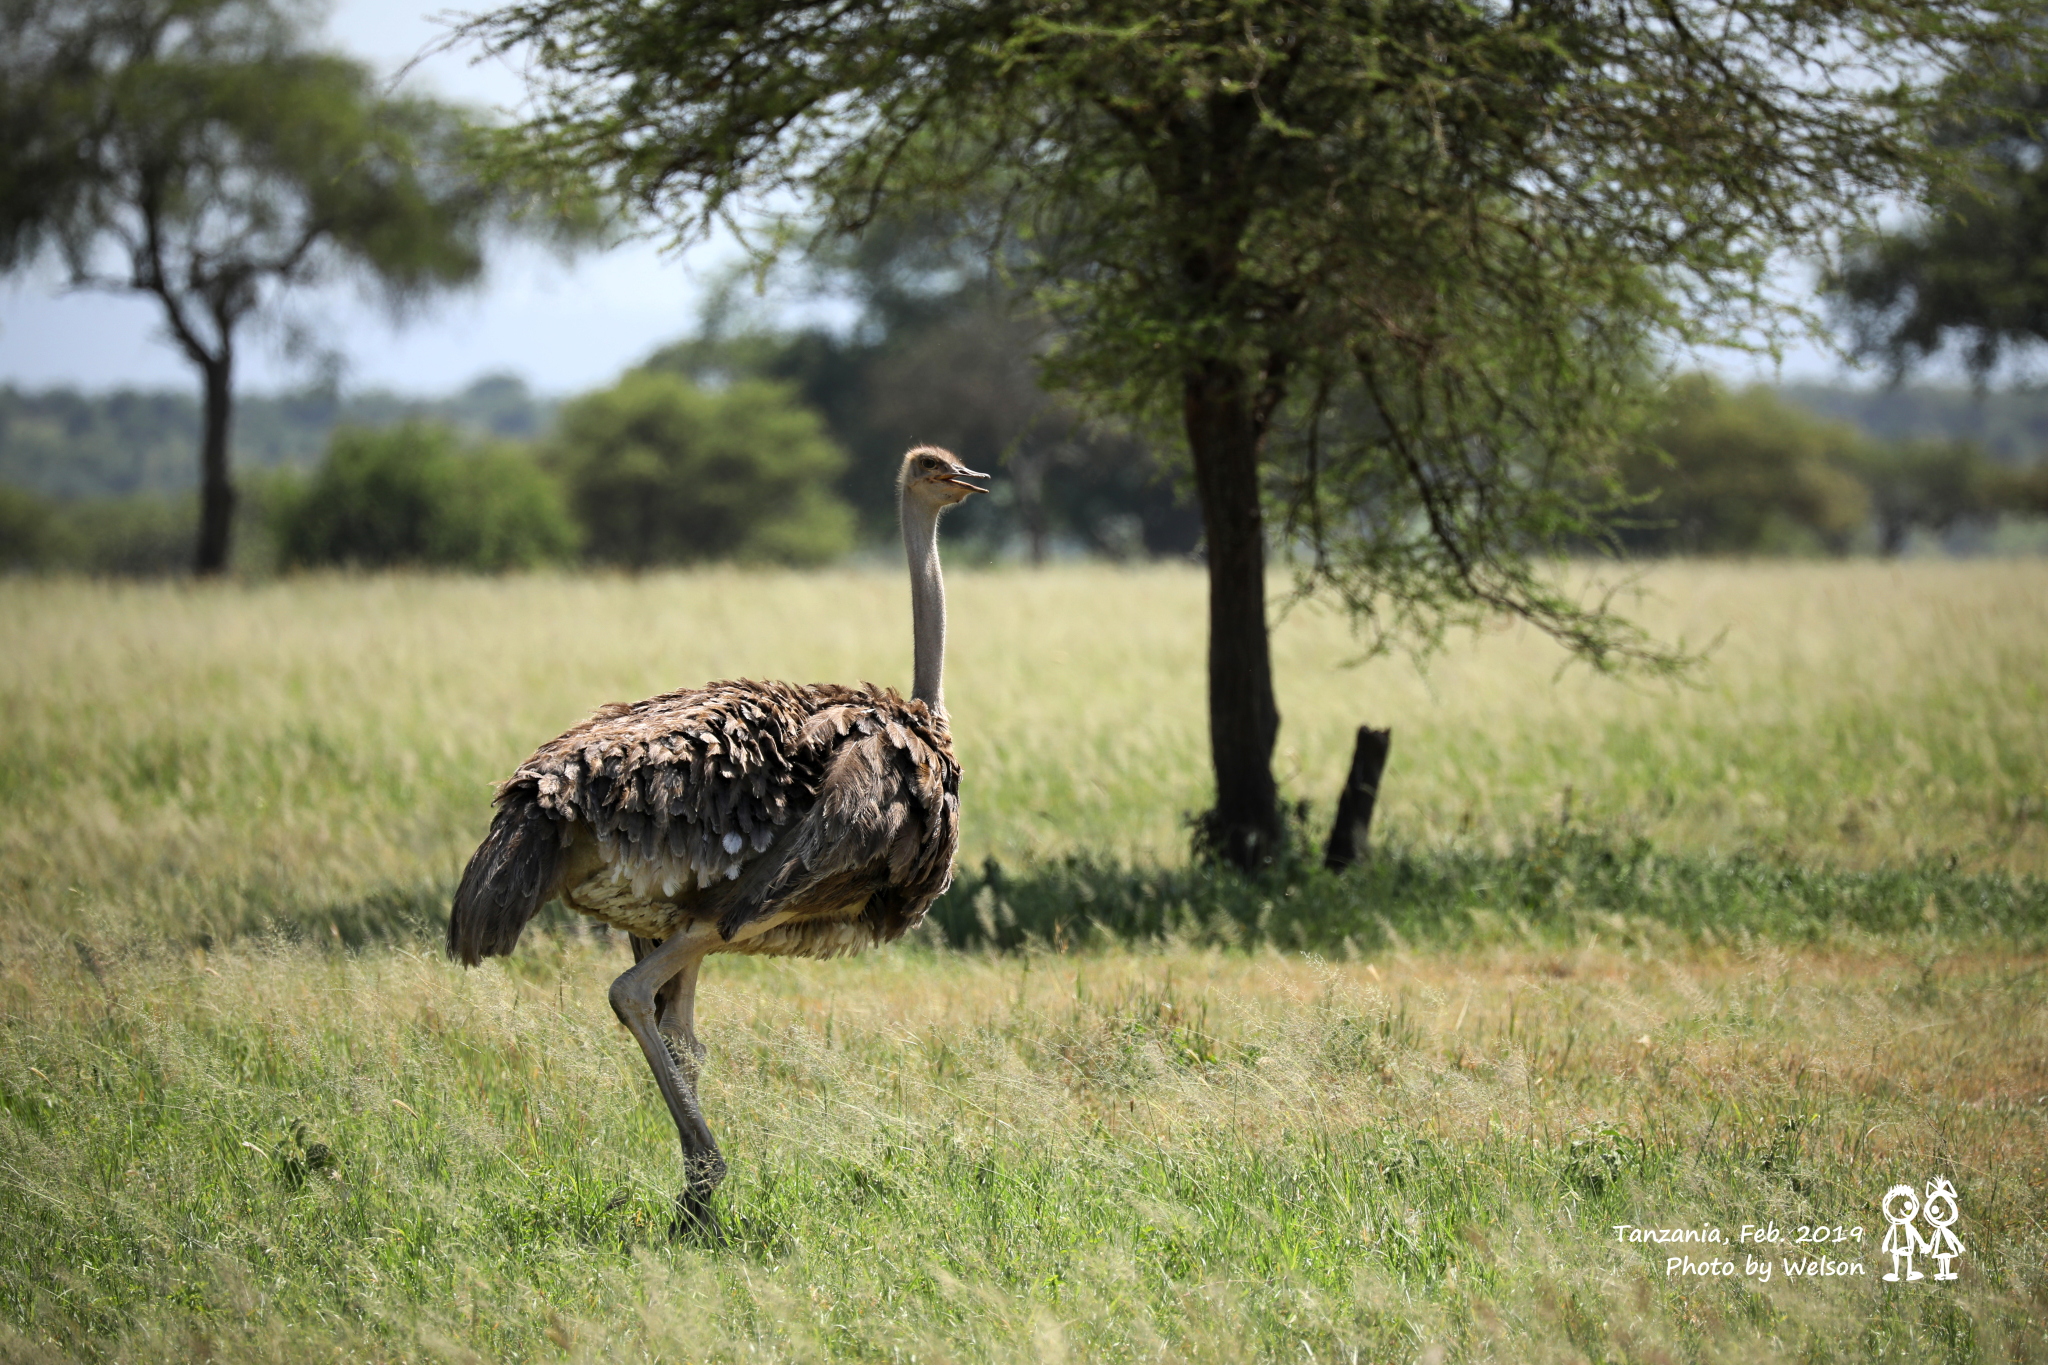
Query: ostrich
741	817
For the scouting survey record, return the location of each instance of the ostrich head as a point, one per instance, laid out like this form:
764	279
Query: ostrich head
933	480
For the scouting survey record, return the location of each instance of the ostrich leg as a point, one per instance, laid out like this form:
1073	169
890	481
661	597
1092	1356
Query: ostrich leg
633	998
675	1007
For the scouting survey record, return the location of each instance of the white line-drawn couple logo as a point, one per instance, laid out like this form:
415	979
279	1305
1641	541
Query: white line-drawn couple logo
1901	1205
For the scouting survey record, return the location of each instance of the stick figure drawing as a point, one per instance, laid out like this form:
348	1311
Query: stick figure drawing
1900	1204
1942	1210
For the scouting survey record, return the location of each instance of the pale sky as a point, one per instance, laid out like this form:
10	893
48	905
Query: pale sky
562	326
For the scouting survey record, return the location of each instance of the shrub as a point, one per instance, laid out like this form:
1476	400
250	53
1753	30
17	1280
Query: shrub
1745	472
28	530
413	495
143	535
661	471
140	534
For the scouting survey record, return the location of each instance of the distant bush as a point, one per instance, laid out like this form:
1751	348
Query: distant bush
138	535
1745	473
661	471
145	535
27	530
2021	491
414	495
1750	473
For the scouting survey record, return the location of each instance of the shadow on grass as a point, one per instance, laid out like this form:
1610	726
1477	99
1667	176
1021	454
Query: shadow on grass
1553	890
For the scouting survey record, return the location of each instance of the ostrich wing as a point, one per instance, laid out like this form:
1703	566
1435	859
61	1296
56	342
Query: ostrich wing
882	832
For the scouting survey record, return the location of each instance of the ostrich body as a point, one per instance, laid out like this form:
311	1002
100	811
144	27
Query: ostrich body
741	817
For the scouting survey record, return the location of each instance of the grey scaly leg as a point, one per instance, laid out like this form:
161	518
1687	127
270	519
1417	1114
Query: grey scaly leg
633	998
675	1005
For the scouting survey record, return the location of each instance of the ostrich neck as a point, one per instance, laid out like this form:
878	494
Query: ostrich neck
927	603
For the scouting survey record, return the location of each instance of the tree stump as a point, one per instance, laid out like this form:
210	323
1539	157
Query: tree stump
1355	803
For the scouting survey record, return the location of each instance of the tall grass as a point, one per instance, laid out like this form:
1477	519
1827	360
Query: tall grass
204	759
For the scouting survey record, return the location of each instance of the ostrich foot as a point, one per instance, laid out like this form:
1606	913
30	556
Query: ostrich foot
695	1219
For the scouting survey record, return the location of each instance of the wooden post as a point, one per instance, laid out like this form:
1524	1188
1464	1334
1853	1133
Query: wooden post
1355	803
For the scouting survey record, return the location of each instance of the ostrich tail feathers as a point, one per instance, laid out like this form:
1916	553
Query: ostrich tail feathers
510	876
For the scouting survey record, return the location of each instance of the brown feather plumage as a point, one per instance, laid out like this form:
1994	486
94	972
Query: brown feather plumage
836	806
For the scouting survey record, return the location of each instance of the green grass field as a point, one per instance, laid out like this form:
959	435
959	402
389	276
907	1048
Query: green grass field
1741	952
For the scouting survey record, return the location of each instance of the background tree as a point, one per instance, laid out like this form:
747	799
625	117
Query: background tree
1972	268
198	151
2021	490
1971	271
1927	485
663	472
1399	264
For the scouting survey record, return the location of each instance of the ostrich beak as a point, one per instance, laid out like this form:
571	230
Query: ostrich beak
960	477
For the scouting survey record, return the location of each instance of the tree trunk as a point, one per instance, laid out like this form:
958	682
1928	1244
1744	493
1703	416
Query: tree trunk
1352	828
1223	436
216	490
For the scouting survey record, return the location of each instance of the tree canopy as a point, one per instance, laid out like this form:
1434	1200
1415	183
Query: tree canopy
1394	269
1972	267
200	151
1744	473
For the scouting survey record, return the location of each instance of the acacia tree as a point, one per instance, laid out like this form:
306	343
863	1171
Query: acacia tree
1392	267
1973	267
198	152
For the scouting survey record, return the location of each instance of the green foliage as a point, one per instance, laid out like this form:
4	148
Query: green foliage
1745	473
1754	473
661	471
1552	194
412	495
64	444
26	529
229	156
2022	490
143	534
1973	268
1931	486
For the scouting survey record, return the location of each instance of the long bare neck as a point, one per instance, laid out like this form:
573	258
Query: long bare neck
927	602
